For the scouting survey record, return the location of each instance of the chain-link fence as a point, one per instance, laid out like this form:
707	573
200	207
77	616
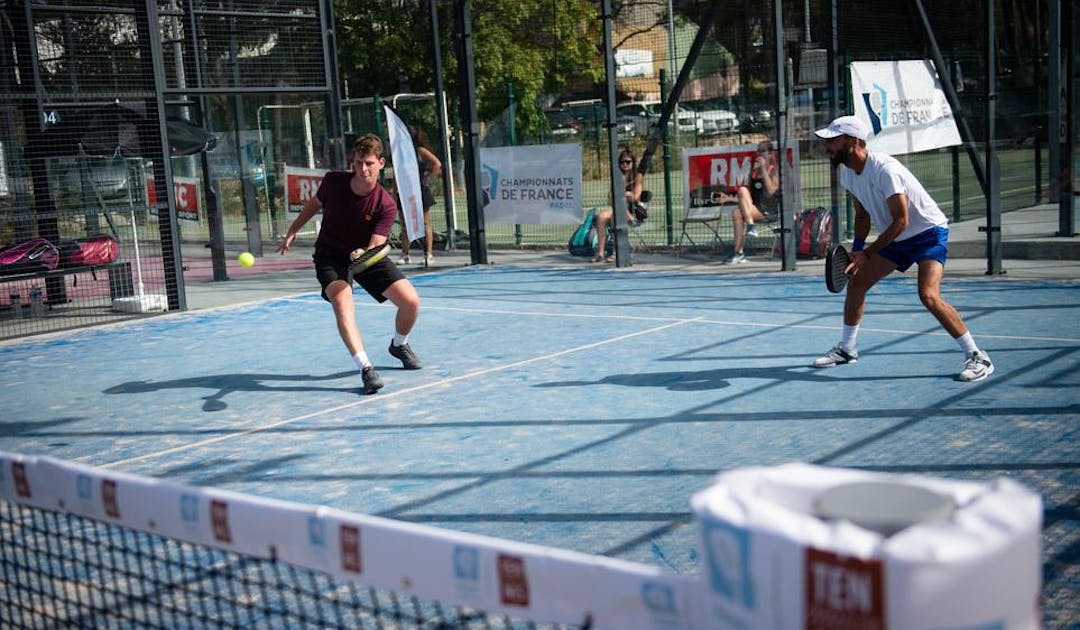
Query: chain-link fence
178	142
133	127
730	98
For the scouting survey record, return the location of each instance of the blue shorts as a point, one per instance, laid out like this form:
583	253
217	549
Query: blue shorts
929	244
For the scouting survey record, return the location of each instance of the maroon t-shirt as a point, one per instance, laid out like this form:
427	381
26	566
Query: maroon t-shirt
349	220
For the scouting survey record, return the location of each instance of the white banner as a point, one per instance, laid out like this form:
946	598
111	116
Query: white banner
904	105
633	63
532	184
406	174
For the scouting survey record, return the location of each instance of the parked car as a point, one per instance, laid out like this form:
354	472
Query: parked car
712	119
562	123
645	113
587	112
756	118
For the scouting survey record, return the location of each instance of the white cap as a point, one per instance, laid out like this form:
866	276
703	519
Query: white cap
845	126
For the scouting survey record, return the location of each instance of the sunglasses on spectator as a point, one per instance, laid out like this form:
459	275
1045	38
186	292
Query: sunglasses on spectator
626	161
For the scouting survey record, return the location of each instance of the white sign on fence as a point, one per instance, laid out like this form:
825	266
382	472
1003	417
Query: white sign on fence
532	184
904	105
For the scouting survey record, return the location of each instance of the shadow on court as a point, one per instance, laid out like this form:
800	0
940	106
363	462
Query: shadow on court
578	408
226	384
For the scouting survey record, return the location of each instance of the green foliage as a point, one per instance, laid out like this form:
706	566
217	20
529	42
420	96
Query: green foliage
386	48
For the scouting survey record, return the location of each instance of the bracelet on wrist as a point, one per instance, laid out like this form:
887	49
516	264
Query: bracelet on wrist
858	244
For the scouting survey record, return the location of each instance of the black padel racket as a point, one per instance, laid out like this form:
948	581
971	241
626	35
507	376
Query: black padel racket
362	259
836	261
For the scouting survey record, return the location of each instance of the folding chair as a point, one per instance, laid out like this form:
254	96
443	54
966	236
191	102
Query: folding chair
710	217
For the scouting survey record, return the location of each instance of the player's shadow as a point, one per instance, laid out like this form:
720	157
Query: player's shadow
226	384
703	380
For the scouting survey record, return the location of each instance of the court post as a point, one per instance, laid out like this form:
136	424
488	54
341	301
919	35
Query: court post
474	183
618	193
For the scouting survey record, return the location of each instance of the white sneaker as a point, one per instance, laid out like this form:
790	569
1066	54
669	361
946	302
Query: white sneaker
751	230
429	259
736	259
977	366
404	260
837	356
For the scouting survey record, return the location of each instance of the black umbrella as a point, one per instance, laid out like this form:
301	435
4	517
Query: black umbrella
114	131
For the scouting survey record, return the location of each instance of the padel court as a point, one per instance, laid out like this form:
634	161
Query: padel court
575	408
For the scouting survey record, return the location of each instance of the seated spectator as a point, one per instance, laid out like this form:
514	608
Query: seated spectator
756	201
635	211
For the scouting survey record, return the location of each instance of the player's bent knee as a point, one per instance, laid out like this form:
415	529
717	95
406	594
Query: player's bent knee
932	301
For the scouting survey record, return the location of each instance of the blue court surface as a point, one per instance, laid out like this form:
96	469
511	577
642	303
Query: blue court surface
577	408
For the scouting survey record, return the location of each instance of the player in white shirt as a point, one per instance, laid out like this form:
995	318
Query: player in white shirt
911	228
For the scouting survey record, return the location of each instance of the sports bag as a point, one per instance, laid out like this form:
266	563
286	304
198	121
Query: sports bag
85	252
583	241
813	233
31	256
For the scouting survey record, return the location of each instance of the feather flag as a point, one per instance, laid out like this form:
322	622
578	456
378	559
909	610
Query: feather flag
406	174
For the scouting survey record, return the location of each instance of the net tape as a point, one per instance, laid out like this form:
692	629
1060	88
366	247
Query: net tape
86	546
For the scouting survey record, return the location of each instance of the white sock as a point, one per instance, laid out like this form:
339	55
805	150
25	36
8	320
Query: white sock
967	343
849	335
361	359
400	339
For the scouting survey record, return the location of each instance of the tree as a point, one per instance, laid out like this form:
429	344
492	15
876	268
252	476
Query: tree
535	45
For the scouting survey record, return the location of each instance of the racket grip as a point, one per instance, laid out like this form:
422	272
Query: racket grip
356	254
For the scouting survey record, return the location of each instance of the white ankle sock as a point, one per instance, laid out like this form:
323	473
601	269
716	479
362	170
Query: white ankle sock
849	335
400	339
361	359
967	343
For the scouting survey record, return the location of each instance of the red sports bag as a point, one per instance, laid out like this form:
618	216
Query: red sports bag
86	252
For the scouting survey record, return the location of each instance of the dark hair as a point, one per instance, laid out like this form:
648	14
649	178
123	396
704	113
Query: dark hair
626	153
367	144
419	137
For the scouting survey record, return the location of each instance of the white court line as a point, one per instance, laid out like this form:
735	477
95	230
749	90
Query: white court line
722	322
402	392
672	322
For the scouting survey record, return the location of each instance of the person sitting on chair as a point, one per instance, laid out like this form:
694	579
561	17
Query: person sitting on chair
635	209
755	199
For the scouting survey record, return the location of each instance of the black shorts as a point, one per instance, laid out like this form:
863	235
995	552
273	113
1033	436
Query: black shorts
376	280
426	197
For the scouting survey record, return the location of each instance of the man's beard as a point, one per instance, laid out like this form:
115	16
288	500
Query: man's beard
840	156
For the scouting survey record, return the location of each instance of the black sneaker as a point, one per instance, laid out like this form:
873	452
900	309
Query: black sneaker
372	382
409	360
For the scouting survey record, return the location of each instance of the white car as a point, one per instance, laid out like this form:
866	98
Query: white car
644	115
713	120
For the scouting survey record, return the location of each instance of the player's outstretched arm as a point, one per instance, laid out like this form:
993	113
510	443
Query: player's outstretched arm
311	206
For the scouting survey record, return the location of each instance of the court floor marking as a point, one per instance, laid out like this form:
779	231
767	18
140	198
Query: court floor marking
402	392
722	322
673	322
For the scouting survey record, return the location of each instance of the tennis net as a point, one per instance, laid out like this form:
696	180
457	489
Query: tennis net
88	547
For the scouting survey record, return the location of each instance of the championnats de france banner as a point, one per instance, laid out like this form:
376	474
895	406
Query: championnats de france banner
406	174
532	184
904	105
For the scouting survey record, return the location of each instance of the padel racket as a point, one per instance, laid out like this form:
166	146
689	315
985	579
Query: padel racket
836	261
362	259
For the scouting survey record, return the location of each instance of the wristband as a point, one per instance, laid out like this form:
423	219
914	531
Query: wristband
858	244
